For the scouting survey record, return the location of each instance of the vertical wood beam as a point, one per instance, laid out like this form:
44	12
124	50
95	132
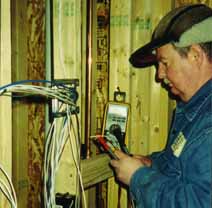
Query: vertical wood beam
20	110
5	102
119	75
28	46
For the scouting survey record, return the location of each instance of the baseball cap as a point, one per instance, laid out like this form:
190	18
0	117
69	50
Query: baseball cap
182	26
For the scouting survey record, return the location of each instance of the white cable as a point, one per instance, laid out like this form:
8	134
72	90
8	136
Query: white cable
39	90
62	140
9	192
52	162
5	190
77	148
56	147
10	183
77	163
55	141
46	163
76	160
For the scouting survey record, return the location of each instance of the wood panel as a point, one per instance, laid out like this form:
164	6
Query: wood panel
134	22
20	109
5	102
28	60
68	65
102	79
119	74
93	173
36	124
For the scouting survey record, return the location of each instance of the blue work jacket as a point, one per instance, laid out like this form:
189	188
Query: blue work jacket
180	175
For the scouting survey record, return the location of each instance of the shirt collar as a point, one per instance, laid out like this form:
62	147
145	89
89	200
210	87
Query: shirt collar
194	105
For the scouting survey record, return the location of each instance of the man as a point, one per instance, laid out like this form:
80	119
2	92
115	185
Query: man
180	175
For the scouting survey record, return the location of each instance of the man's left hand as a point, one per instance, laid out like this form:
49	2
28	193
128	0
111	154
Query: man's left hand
126	166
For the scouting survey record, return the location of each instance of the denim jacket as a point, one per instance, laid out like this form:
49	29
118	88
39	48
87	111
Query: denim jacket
181	175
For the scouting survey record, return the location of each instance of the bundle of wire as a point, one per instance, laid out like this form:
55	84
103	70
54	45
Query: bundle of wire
60	132
58	135
8	191
61	92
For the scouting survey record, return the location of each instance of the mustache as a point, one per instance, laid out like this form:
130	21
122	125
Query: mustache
166	81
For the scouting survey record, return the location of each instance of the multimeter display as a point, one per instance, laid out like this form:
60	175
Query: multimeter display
115	124
116	117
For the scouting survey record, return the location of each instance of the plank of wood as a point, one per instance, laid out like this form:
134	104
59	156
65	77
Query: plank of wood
5	102
95	170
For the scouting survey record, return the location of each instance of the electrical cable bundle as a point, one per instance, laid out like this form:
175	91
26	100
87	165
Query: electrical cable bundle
54	145
61	92
60	132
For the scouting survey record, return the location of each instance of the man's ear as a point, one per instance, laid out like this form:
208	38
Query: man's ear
196	54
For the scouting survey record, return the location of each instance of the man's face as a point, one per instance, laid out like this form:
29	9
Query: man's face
176	71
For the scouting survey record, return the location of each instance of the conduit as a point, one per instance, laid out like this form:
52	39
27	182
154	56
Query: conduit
88	102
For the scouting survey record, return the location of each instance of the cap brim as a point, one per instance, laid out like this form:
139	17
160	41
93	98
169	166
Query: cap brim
143	60
144	56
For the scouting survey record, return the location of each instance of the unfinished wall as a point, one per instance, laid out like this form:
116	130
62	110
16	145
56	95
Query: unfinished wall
119	27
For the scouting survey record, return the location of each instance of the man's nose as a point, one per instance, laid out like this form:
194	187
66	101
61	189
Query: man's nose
161	72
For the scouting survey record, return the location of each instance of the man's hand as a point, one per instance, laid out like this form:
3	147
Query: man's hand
126	166
145	160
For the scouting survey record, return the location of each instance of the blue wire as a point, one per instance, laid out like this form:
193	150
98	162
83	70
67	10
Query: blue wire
22	82
28	81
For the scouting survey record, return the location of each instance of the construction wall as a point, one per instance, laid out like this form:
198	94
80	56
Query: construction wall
118	28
